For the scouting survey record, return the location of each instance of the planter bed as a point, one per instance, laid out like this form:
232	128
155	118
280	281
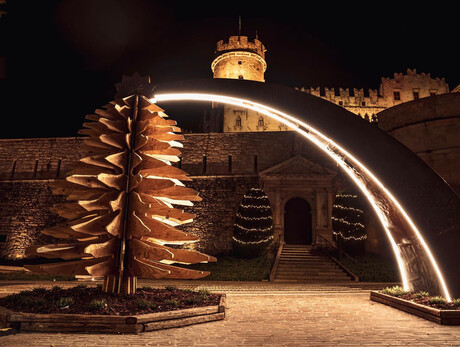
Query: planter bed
445	317
60	322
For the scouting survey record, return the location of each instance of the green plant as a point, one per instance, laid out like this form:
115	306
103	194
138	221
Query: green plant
30	300
147	287
172	302
64	301
56	288
96	304
170	288
456	302
253	230
395	291
193	300
421	294
39	290
437	300
143	304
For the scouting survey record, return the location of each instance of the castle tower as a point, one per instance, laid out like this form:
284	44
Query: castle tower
240	58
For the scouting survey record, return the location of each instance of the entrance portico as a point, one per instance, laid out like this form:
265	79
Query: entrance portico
300	178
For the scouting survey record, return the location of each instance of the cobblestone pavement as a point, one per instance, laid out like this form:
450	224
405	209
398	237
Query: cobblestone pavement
272	314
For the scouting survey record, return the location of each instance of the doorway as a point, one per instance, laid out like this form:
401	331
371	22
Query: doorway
297	222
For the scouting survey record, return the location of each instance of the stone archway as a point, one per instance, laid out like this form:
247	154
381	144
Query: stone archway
424	236
297	222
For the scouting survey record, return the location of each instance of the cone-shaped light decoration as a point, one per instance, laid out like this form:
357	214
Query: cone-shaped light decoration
121	196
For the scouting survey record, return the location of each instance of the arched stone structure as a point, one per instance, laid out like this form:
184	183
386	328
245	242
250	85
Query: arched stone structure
418	210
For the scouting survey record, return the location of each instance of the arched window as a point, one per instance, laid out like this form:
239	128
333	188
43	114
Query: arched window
366	117
238	121
261	122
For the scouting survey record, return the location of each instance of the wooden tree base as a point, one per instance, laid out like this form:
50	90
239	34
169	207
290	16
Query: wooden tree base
113	284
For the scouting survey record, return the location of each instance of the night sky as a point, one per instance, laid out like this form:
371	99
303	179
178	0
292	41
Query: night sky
64	57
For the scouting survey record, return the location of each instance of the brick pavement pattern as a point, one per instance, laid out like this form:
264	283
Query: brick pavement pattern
276	315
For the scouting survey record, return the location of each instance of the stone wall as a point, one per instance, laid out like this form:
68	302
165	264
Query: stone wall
430	127
223	167
24	212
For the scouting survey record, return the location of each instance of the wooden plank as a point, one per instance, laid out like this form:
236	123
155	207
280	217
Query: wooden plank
426	309
184	313
409	309
222	303
80	327
70	317
176	323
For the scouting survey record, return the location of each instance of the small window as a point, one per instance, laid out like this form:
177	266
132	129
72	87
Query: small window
261	122
363	103
3	237
239	62
432	93
240	77
416	95
229	163
204	164
396	96
340	103
238	121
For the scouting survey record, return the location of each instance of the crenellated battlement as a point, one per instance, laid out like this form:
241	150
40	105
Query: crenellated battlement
333	93
242	43
392	91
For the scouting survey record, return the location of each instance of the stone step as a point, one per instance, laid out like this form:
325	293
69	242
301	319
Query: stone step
308	268
314	278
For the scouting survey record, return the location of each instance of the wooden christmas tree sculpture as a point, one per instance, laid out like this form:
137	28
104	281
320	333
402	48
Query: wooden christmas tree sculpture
120	212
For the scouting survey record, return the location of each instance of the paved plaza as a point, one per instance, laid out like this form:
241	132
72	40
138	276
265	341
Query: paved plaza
270	314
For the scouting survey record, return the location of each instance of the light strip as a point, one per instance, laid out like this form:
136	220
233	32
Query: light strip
327	145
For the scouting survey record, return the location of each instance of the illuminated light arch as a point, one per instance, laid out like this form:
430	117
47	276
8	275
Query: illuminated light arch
417	264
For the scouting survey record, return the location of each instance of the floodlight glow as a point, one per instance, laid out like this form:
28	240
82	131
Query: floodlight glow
358	172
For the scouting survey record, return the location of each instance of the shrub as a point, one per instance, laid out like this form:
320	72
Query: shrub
421	294
143	303
437	300
96	304
395	291
456	302
170	288
171	302
64	301
253	230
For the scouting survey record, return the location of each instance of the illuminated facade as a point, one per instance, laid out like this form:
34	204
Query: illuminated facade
392	91
240	58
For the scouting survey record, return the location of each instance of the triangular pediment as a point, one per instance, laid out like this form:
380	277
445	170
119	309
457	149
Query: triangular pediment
297	165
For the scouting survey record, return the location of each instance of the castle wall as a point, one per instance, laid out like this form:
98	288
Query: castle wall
223	167
409	86
430	128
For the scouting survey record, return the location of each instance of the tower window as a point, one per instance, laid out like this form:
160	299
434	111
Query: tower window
363	103
340	103
261	122
240	77
416	95
396	96
240	62
238	121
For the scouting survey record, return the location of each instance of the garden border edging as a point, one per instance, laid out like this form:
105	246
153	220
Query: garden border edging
61	322
444	317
